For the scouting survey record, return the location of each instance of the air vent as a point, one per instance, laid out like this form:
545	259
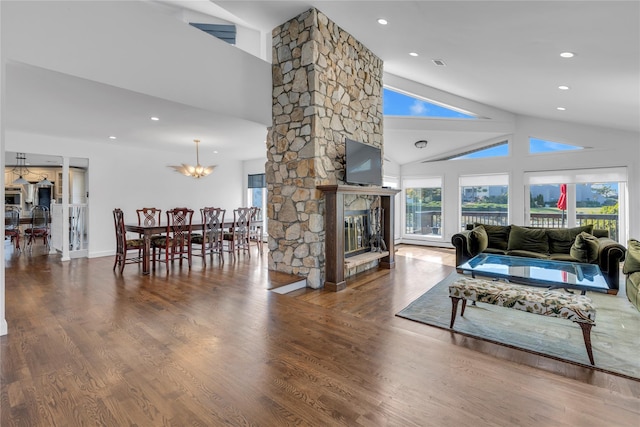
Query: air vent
439	62
225	33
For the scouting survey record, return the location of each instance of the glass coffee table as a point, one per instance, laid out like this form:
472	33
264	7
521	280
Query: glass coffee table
538	272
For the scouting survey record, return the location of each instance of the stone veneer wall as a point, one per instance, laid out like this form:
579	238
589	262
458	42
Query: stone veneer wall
327	87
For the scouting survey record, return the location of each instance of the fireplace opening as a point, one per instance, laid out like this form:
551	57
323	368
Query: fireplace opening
363	232
356	232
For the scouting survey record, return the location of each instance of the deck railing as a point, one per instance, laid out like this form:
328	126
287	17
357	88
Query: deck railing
550	220
430	222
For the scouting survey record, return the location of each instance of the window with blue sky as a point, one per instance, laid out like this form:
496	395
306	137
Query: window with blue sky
537	145
496	150
400	104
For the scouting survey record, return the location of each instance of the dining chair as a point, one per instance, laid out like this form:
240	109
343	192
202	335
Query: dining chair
12	224
39	226
237	237
150	217
123	245
176	244
255	231
210	241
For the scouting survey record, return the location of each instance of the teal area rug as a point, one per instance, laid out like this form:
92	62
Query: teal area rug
615	338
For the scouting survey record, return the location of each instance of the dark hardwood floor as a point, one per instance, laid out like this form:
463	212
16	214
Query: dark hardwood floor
212	346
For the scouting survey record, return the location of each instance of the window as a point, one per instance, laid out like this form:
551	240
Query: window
395	103
544	208
593	196
484	199
257	196
537	145
423	207
500	149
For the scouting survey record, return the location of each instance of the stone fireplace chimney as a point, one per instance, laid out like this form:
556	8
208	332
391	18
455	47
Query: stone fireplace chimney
327	87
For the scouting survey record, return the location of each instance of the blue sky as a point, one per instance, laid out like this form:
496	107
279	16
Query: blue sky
399	104
537	145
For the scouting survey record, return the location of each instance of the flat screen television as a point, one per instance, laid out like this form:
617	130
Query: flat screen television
363	163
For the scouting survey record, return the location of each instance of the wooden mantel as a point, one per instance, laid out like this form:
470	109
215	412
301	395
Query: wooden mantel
334	229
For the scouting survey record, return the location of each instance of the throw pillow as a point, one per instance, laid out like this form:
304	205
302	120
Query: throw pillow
561	239
478	240
585	248
498	235
528	239
632	259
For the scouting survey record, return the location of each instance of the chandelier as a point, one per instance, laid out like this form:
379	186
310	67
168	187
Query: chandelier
21	169
196	171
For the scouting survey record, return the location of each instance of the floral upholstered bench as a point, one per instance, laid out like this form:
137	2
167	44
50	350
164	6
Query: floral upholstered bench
577	308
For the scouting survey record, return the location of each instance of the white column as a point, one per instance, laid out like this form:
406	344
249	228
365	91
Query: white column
3	321
65	209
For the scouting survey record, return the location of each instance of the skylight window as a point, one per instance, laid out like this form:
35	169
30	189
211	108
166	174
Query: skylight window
399	104
537	145
500	149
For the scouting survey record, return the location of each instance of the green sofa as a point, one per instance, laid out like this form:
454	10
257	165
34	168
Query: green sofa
578	244
631	269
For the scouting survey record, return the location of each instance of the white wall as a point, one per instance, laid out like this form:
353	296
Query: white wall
125	178
141	48
610	148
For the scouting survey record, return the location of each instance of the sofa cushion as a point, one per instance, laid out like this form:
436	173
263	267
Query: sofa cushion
561	239
495	251
498	235
633	288
585	248
528	239
563	257
478	240
527	254
600	233
632	259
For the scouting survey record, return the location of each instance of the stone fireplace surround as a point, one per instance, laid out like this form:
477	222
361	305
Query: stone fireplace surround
327	87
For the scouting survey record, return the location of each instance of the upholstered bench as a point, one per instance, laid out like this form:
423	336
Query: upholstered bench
577	308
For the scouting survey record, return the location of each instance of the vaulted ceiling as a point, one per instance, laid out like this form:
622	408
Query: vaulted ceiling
497	53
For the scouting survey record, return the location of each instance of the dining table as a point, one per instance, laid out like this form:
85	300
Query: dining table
147	231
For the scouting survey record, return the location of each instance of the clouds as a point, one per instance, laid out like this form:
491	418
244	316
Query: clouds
418	108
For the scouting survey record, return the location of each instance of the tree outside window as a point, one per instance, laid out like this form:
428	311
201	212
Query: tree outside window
423	211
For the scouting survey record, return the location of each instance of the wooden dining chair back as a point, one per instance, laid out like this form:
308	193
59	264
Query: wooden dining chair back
210	241
39	226
124	246
150	217
177	242
12	224
255	228
237	238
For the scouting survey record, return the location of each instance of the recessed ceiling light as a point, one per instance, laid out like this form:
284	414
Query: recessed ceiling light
561	108
413	54
382	21
155	119
563	87
567	54
215	151
112	137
